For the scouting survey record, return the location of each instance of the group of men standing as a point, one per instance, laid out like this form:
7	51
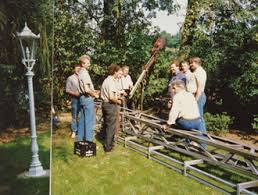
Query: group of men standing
80	87
186	89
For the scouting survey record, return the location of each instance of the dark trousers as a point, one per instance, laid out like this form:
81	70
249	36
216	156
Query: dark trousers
110	116
129	103
118	122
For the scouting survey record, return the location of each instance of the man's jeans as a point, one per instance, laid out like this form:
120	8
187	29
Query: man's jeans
201	103
87	119
110	116
191	124
196	124
75	112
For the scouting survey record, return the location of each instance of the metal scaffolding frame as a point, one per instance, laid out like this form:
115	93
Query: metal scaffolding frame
143	133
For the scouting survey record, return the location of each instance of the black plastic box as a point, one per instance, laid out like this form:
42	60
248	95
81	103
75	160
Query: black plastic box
85	148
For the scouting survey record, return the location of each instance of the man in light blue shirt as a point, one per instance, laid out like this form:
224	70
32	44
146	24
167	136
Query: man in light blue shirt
72	88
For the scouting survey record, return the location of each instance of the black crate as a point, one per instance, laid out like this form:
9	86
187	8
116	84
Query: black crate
85	148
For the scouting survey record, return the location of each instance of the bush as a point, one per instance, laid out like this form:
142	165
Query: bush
218	123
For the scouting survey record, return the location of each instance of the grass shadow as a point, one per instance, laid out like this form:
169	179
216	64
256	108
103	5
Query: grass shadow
62	153
15	159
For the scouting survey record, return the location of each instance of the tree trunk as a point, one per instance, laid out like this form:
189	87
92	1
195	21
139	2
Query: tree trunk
119	27
108	28
190	21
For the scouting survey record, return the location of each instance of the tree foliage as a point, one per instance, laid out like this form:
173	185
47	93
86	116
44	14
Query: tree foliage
224	35
171	41
13	86
110	32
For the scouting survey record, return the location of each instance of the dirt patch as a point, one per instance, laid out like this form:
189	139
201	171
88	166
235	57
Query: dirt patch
65	117
244	137
4	189
11	134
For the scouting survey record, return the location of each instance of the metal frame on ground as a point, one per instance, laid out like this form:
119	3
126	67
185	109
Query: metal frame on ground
143	133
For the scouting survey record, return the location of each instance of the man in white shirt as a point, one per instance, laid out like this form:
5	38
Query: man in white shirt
72	85
201	77
87	109
184	111
126	79
127	85
121	94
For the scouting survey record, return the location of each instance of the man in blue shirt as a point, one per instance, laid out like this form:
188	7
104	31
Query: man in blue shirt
176	75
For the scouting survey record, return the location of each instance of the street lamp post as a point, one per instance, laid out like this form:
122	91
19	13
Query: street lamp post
27	41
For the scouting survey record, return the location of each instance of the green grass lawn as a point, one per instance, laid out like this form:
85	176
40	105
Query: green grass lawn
15	158
122	171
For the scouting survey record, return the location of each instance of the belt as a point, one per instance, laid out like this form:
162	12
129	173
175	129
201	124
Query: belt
190	119
83	94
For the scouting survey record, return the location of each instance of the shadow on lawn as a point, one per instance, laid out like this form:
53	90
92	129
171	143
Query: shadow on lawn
61	139
62	153
226	174
15	159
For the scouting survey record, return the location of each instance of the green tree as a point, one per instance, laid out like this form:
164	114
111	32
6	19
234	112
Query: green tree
224	35
172	41
110	32
13	87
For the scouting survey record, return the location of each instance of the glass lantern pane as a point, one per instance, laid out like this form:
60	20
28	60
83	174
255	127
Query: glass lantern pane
33	49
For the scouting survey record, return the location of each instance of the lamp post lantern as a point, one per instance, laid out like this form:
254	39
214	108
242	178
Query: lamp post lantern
27	41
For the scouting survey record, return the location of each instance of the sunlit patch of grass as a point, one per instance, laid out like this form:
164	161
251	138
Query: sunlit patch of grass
120	172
